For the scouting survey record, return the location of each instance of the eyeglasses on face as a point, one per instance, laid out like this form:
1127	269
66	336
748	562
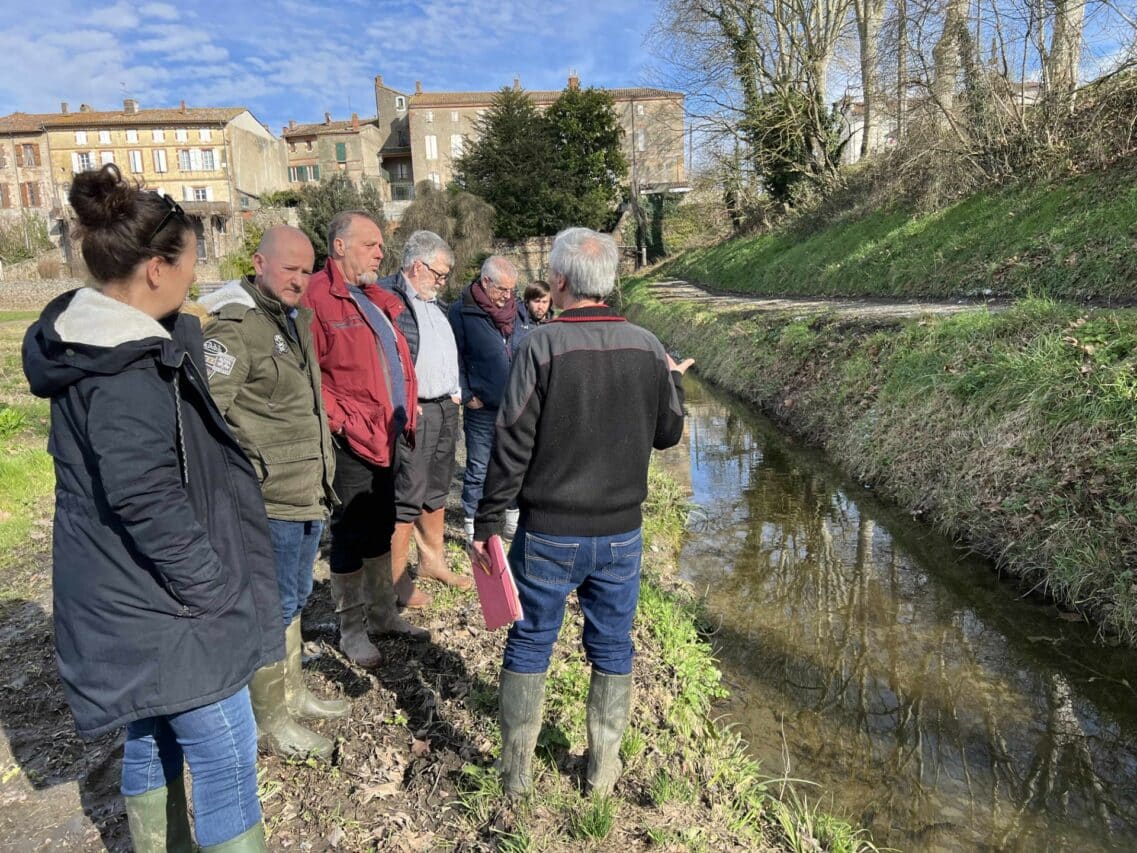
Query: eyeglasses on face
439	277
173	209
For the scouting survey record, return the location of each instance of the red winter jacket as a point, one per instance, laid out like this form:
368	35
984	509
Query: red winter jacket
355	393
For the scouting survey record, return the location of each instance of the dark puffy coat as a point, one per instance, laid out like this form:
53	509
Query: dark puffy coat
483	354
164	584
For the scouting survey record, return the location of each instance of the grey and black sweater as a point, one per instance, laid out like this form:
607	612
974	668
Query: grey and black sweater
589	396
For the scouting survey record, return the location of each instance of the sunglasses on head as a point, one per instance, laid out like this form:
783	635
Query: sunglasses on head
174	209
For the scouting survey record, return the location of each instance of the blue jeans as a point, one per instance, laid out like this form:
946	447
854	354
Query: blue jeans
220	743
604	571
294	547
477	425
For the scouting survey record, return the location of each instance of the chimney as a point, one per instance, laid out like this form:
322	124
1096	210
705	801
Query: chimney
573	81
64	107
517	84
130	107
183	105
292	124
418	87
327	118
84	108
378	80
355	121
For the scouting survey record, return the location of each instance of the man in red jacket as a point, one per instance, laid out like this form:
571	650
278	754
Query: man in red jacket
368	378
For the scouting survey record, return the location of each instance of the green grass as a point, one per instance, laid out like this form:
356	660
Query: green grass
1069	240
25	467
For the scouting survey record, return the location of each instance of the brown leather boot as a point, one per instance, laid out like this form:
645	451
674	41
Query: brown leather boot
432	551
408	594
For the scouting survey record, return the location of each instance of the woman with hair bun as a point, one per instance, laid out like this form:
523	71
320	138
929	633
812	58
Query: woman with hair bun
164	582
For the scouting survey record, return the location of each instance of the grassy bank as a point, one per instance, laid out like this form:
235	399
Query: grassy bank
1015	432
1066	240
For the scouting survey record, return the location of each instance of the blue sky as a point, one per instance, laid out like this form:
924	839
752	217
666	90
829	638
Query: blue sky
295	60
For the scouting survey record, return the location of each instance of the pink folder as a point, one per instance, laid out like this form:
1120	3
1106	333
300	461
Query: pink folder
497	592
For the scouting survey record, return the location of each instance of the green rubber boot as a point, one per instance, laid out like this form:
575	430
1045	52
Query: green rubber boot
609	703
277	732
250	841
520	698
158	820
302	703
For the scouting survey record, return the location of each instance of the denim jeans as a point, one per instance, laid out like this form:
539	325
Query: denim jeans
477	425
294	547
219	741
604	571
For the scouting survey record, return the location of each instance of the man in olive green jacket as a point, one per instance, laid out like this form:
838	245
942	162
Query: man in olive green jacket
265	379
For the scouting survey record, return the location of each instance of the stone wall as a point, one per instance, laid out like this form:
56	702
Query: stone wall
531	257
50	264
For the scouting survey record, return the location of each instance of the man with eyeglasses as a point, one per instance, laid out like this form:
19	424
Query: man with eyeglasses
424	468
488	326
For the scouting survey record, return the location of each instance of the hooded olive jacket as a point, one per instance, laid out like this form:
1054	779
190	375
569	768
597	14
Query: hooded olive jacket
163	577
267	384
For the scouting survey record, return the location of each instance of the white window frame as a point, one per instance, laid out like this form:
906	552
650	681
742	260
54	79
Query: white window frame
201	194
435	179
639	109
80	137
430	116
160	164
205	134
641	140
208	159
456	141
135	157
181	135
158	135
454	116
82	161
104	137
106	157
431	143
132	136
185	160
400	102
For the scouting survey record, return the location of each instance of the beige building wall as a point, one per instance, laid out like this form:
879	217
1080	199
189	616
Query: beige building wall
25	175
351	148
258	159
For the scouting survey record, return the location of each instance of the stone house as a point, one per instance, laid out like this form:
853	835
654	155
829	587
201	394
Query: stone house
318	151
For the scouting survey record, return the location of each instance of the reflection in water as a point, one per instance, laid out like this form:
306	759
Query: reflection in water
868	655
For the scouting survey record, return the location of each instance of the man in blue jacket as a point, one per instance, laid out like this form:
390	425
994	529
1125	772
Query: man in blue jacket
488	326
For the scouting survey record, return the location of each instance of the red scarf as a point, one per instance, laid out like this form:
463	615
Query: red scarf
502	317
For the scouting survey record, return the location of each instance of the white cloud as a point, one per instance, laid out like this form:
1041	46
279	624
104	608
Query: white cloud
120	16
164	11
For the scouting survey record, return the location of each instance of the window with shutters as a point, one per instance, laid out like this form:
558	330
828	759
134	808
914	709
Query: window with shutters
456	145
184	162
135	161
29	192
27	155
201	193
431	147
159	135
205	134
106	157
400	102
80	137
315	172
5	196
208	159
341	152
132	136
639	109
181	135
159	159
430	116
104	137
82	161
454	116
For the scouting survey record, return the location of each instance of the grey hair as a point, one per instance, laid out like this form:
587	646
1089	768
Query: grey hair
424	245
341	222
587	260
497	267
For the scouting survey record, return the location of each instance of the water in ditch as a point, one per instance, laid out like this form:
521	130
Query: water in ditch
930	702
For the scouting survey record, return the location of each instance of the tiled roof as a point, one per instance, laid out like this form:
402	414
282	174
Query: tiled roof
24	122
327	127
474	99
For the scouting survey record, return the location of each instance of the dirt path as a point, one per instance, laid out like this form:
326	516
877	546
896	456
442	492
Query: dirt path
862	309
